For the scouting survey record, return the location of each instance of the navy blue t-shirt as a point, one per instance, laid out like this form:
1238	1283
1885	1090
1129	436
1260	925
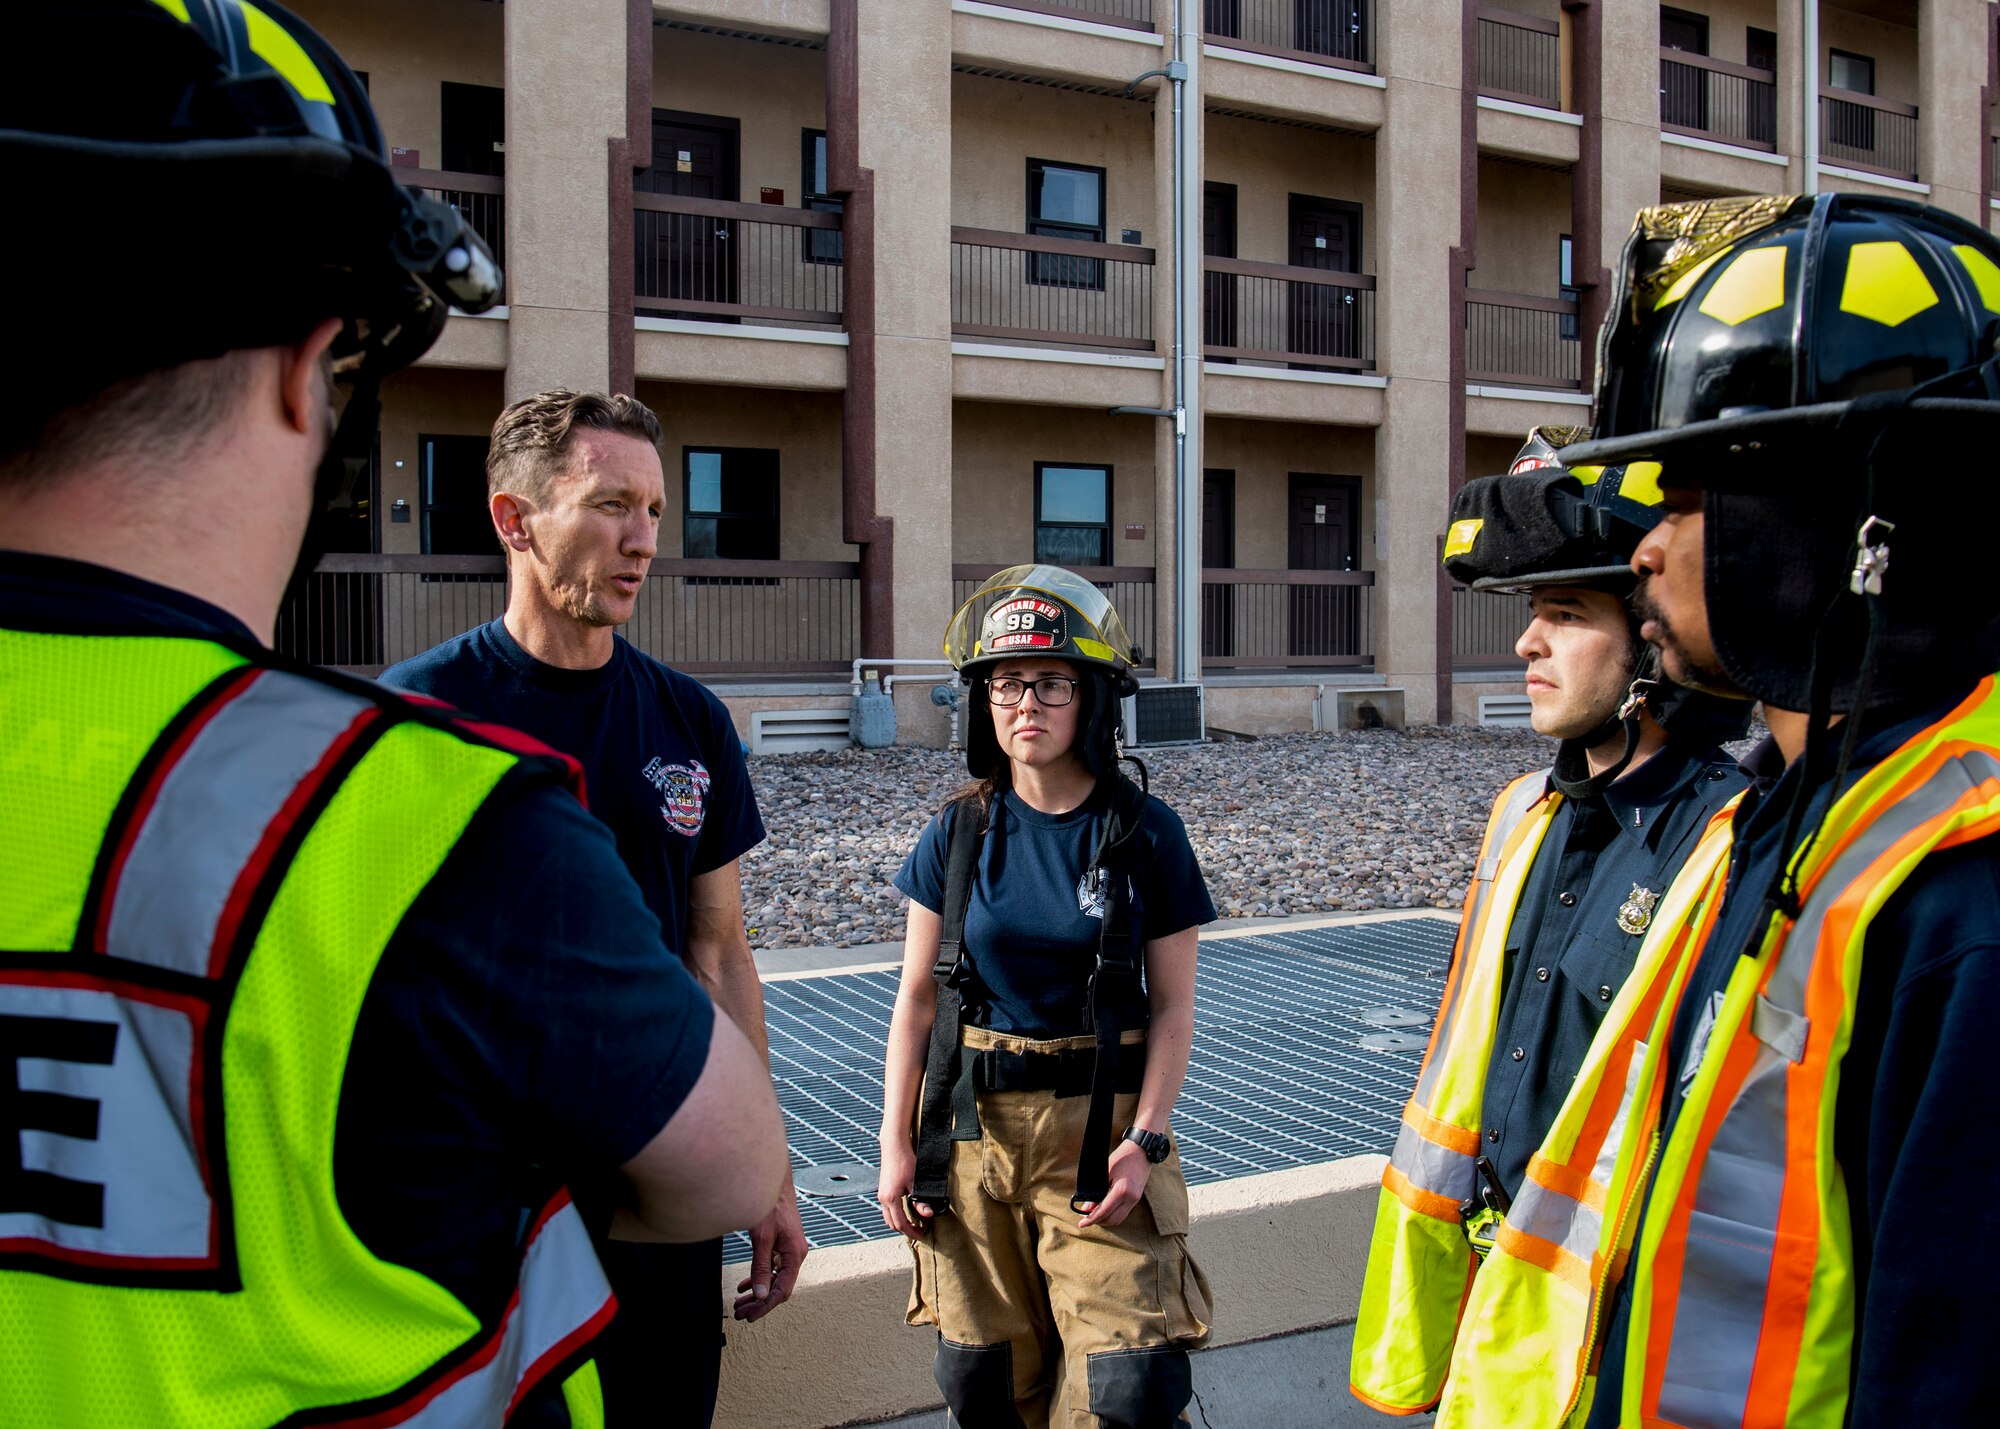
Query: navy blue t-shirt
1915	1086
661	761
521	1029
1031	928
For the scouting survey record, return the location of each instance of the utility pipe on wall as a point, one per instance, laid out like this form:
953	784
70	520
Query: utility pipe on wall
1809	128
1187	349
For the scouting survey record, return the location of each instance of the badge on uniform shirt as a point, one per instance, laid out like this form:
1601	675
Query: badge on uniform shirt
1635	914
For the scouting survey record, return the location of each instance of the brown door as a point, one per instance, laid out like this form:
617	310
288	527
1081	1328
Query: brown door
1323	535
1218	553
1683	88
1760	51
687	255
1325	234
1218	290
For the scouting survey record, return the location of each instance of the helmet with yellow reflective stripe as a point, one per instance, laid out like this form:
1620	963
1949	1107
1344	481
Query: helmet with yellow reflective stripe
1810	363
1543	523
212	178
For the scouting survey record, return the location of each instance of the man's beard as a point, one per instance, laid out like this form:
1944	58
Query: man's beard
1679	665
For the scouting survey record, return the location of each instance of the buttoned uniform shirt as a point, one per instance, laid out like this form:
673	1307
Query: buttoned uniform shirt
1915	1096
1567	954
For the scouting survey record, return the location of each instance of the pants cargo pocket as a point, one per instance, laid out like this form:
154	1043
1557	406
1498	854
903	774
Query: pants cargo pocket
1140	1389
922	1309
977	1382
1184	1296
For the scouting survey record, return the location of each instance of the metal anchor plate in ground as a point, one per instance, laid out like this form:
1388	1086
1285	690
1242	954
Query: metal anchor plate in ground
1394	1042
848	1178
1393	1017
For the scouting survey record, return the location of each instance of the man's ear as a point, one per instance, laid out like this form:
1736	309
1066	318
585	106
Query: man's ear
299	380
509	514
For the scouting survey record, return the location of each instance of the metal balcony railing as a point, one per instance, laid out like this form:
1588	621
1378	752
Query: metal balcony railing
1859	131
1284	619
1485	624
1337	33
1516	340
1520	58
1017	285
710	260
366	612
1271	312
1713	99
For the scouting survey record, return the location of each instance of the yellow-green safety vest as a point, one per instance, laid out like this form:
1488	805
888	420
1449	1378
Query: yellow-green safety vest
1750	1323
205	857
1519	1356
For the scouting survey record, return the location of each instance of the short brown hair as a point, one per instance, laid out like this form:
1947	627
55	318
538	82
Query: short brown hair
532	437
155	418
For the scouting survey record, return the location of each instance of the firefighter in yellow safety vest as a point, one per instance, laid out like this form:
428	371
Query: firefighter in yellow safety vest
1555	972
1778	1244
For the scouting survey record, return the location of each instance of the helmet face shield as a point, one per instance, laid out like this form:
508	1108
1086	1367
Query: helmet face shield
1042	610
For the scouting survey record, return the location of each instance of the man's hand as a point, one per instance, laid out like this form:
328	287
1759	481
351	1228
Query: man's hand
1129	1171
777	1250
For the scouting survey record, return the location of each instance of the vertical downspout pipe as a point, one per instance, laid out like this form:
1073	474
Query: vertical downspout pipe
1809	127
1187	348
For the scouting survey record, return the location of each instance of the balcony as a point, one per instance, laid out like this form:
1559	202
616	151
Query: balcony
481	198
1337	33
1287	620
1704	98
714	261
1520	58
366	612
1485	624
1056	290
1515	340
1859	131
1124	14
1304	317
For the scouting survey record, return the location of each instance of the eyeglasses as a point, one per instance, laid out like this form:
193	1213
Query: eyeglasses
1051	691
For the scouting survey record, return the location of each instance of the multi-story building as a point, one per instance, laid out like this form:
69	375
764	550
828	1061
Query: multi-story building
900	278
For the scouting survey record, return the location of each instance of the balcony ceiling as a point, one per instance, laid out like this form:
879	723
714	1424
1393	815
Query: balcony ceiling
1892	12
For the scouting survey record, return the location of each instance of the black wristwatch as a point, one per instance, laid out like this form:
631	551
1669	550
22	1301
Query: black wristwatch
1153	1143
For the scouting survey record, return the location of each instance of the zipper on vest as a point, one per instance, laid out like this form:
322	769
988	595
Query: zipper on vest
1644	1177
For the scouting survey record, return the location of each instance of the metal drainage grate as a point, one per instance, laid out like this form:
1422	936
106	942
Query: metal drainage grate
1281	1073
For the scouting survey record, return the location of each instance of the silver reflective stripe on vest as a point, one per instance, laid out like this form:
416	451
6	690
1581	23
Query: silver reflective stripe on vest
1521	801
211	813
1433	1168
563	1292
1734	1222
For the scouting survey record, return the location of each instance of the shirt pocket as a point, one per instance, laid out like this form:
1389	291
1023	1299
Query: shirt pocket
1597	964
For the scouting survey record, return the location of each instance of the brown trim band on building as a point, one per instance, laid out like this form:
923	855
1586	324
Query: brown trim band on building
862	522
1464	258
627	156
1989	146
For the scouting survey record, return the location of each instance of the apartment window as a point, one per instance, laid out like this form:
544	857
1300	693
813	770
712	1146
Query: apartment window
822	245
1072	514
1851	72
1566	280
1065	201
731	504
472	128
1683	30
453	473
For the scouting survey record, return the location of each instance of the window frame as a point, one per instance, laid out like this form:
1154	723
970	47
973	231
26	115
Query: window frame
727	513
1103	527
819	245
1853	57
1060	270
1569	327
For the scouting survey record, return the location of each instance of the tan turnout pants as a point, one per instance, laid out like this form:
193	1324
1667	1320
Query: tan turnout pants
1040	1323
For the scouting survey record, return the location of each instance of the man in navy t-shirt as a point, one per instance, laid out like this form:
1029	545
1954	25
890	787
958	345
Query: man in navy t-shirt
576	491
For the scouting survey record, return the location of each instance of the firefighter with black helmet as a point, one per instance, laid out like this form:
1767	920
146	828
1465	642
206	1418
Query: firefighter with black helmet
1819	378
1554	959
299	1095
1041	1034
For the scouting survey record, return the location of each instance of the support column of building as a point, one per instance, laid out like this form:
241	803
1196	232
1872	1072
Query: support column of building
1628	119
1420	278
889	154
1792	63
567	88
1951	114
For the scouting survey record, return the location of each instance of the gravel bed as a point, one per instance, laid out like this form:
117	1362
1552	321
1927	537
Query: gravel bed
1290	824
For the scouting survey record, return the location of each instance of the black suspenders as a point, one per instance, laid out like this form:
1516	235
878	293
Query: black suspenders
948	1096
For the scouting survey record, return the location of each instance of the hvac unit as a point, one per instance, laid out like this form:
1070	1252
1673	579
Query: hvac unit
1164	714
1506	712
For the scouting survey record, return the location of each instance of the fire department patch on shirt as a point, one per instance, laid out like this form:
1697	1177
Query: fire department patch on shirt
683	793
1090	894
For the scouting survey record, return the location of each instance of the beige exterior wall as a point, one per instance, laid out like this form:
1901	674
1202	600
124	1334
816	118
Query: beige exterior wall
802	427
1729	22
993	454
1892	45
1523	213
418	403
1270	162
407	48
1263	455
998	125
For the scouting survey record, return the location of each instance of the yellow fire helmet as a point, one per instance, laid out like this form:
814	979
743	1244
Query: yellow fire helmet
1041	610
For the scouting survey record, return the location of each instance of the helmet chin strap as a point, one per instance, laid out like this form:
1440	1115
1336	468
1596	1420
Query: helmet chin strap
1571	774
